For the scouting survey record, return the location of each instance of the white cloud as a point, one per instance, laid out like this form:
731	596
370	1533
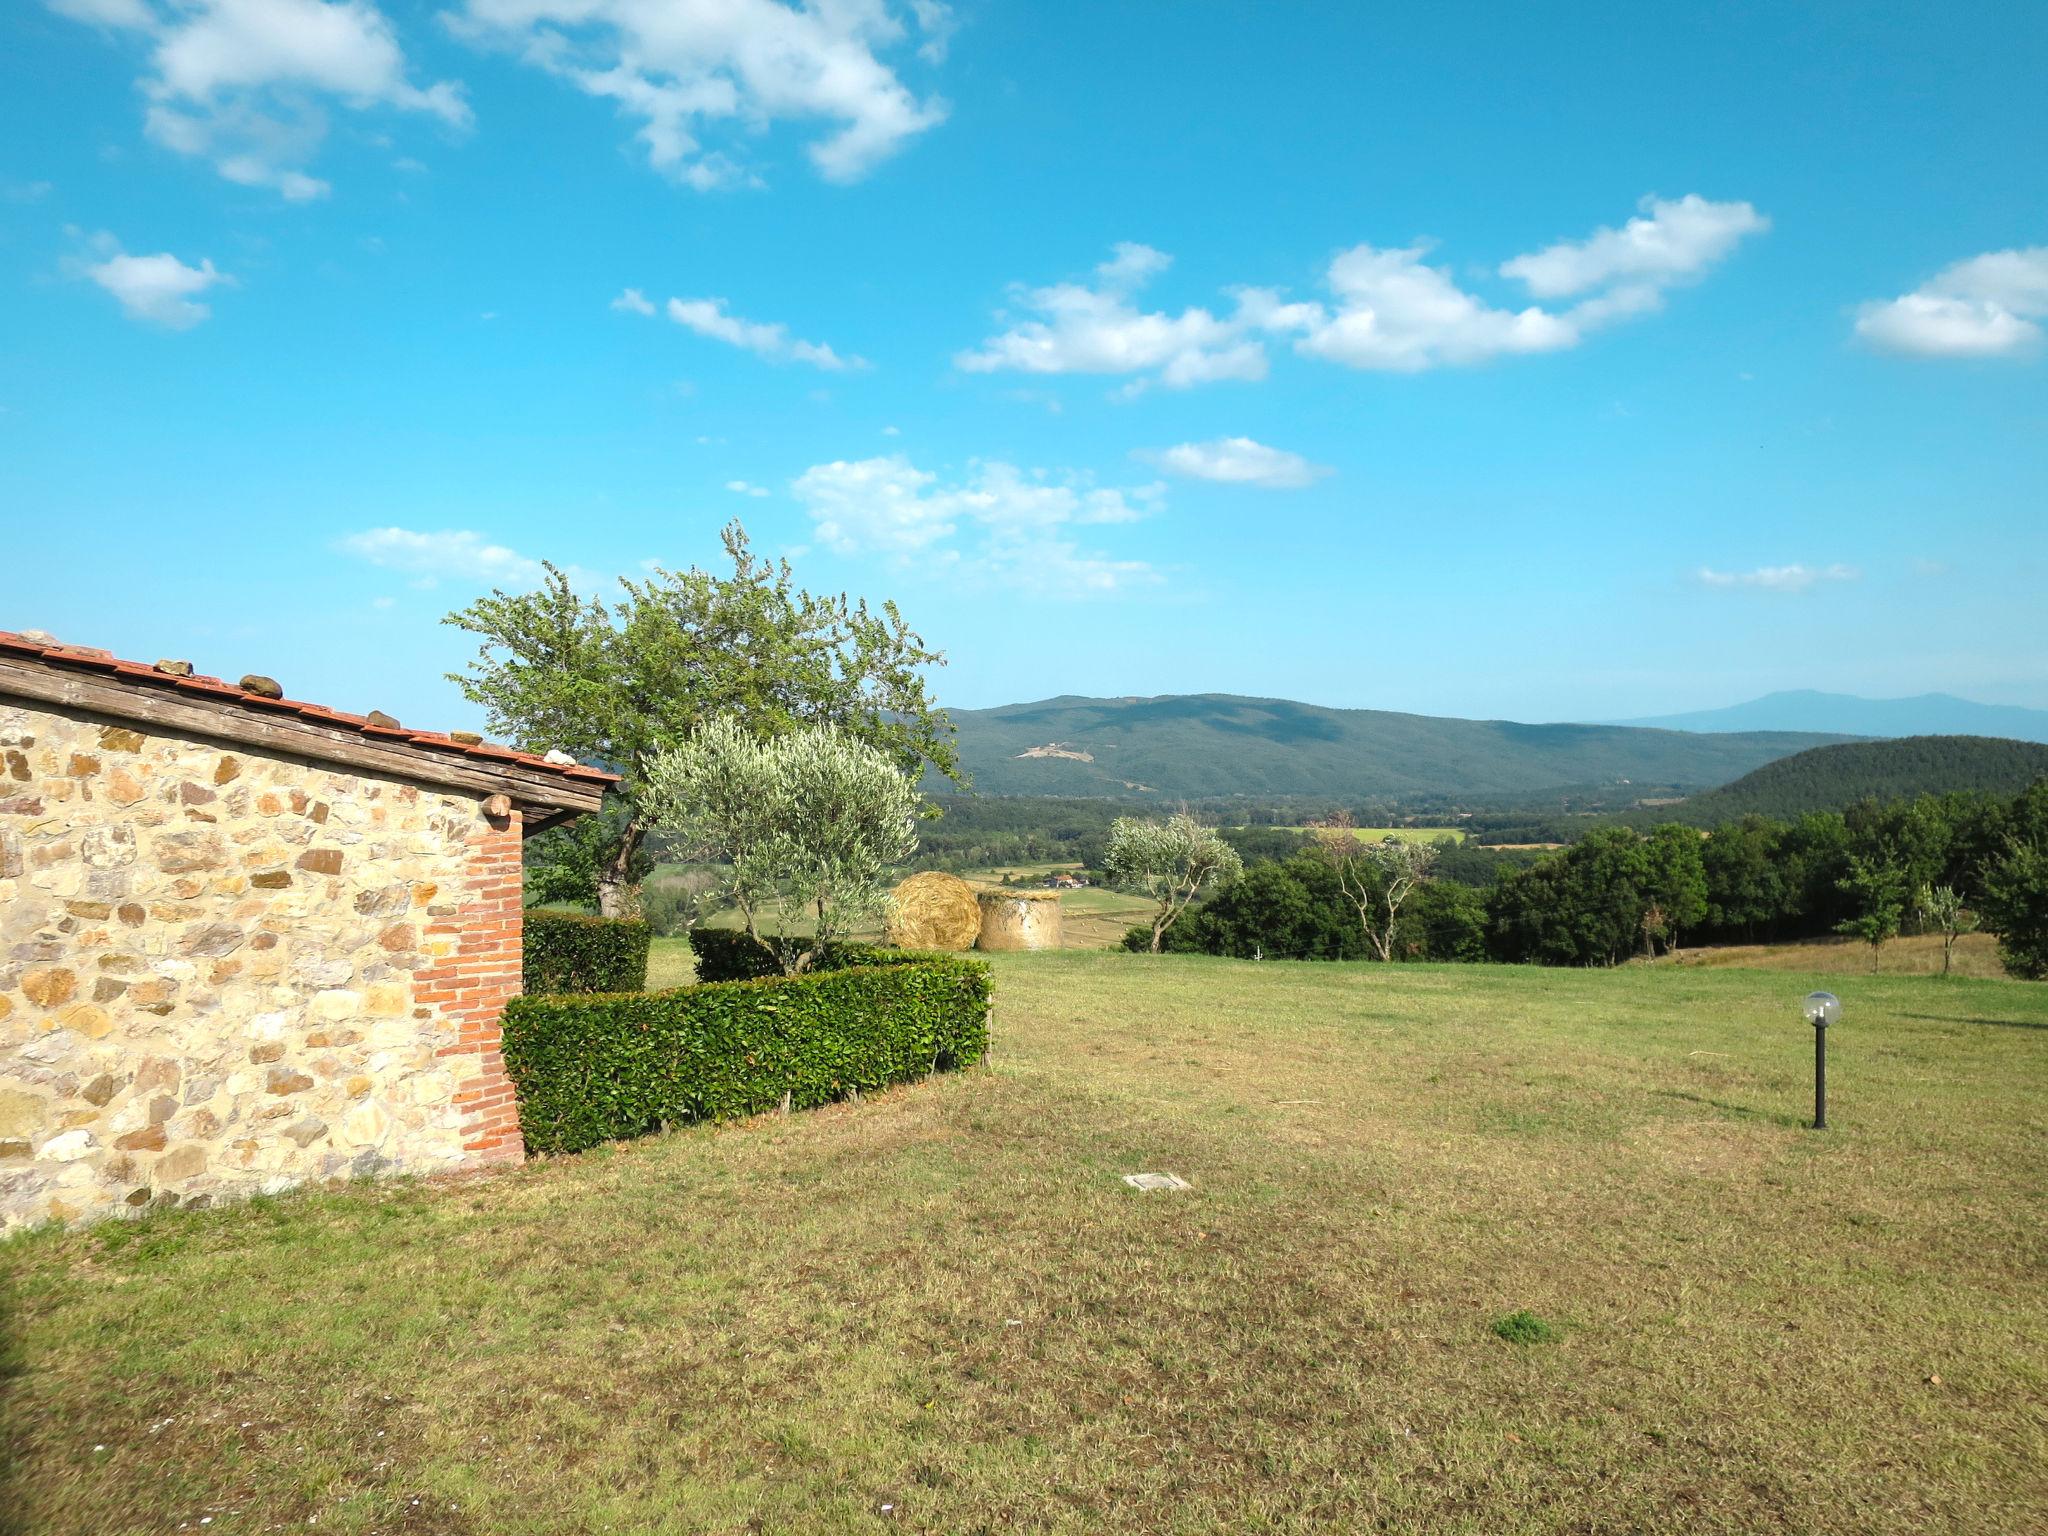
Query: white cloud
743	488
1987	306
451	555
1020	523
1239	461
1672	242
1389	309
1777	578
677	68
245	83
1096	328
708	317
1395	313
159	289
936	20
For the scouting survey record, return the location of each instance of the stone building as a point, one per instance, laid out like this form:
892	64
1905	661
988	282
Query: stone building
245	941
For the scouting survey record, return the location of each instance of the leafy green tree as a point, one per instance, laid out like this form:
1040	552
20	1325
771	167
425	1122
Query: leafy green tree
2015	900
1583	906
621	683
1877	891
1942	906
565	863
805	824
1171	861
2015	907
1746	884
1675	880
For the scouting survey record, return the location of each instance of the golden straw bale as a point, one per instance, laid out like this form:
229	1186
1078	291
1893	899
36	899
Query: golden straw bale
935	911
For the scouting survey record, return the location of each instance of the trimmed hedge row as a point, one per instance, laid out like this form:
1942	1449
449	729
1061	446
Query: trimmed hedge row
730	954
591	1069
568	952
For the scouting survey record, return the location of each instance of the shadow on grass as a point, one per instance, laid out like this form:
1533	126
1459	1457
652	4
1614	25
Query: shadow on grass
1737	1111
1959	1018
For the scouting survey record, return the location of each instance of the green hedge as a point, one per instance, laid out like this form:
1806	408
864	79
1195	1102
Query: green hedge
591	1069
567	952
730	954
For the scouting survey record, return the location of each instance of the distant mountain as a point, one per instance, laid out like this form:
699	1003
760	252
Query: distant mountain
1835	778
1197	745
1843	714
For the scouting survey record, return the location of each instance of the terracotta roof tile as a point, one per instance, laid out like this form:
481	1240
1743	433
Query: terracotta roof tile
144	675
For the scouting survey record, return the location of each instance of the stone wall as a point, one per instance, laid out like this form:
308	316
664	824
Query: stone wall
224	971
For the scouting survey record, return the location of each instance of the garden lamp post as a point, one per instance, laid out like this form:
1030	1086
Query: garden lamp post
1822	1009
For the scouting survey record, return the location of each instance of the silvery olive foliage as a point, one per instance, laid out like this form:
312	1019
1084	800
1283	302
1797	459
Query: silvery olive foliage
1171	861
803	826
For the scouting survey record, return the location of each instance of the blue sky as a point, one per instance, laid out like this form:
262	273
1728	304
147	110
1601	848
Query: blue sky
1517	360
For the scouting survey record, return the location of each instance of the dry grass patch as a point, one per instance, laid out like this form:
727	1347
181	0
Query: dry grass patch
943	1309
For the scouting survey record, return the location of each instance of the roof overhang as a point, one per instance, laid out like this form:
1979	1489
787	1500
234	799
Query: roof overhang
547	794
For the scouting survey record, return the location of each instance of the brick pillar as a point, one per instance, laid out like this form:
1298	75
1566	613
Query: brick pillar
486	971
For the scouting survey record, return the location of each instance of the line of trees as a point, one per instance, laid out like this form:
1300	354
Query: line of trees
1943	863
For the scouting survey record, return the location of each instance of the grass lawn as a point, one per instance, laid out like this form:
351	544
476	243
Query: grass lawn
941	1309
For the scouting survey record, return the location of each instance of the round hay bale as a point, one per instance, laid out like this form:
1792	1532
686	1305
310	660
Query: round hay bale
1019	920
934	911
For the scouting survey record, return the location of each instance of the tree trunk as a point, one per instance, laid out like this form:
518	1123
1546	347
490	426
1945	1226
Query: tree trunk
614	880
1158	933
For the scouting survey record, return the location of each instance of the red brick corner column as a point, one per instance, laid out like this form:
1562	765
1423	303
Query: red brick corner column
471	987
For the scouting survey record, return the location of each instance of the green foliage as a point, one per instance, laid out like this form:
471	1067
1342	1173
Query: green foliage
1876	888
1524	1328
1834	778
1375	877
1941	907
1675	880
1583	906
802	824
591	1069
617	684
2015	900
724	954
1297	910
674	902
566	863
1170	861
568	952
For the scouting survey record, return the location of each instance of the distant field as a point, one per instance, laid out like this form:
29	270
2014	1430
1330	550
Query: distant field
1920	955
1399	834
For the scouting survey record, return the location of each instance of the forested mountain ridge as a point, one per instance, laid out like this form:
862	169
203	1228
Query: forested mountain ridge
1833	778
1192	746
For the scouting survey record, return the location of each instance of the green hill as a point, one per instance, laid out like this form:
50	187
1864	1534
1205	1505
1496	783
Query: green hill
1833	778
1193	746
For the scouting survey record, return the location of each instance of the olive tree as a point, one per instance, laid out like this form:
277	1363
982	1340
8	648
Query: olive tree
1171	861
618	683
1942	906
1375	877
803	824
